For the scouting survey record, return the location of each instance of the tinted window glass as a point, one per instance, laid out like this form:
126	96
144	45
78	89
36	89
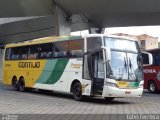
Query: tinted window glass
15	53
8	54
46	50
60	49
98	65
94	43
33	52
75	48
156	59
23	53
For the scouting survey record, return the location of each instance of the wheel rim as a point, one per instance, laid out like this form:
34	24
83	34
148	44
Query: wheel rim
78	92
152	87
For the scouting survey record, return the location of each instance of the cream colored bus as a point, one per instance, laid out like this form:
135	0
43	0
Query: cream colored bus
92	65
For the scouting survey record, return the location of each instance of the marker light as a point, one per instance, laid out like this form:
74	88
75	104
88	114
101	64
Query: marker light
110	84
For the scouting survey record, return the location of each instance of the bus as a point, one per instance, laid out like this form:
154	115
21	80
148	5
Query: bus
152	72
94	65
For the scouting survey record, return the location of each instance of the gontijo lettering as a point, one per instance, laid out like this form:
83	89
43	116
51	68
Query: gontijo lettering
29	64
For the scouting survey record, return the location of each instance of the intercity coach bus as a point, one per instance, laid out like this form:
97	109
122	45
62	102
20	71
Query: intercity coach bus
93	65
152	72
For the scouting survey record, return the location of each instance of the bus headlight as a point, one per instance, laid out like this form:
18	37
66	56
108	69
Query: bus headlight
110	84
141	85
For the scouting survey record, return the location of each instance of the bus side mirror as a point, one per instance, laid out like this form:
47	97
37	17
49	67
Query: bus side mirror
147	58
107	52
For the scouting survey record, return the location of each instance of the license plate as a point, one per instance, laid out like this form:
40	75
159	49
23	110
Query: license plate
127	92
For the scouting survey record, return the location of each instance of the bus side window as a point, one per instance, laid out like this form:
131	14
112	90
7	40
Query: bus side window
33	52
75	48
46	50
23	52
8	54
60	49
157	59
15	53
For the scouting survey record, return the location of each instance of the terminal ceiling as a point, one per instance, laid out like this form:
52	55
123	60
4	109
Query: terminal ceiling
99	13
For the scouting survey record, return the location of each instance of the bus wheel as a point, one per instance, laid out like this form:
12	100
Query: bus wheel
108	99
14	83
77	91
152	87
21	85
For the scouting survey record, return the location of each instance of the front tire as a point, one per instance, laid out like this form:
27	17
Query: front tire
77	91
152	87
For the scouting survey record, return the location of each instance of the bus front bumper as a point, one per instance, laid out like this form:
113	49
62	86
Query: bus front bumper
117	92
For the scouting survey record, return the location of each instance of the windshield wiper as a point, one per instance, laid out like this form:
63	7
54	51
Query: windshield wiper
131	73
130	64
123	70
125	64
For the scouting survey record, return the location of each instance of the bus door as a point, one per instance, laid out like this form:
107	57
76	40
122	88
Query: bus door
98	72
95	72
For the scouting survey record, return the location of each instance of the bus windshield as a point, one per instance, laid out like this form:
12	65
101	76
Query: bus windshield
121	44
126	61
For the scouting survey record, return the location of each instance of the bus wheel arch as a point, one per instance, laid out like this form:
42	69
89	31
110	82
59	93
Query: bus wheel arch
152	87
15	82
76	89
109	99
73	83
21	84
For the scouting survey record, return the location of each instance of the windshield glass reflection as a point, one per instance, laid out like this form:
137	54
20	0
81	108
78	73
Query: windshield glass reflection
121	44
125	66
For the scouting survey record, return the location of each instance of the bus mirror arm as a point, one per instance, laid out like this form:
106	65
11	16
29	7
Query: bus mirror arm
105	61
107	52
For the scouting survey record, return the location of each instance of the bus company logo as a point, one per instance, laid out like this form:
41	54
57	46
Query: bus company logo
29	64
76	66
149	71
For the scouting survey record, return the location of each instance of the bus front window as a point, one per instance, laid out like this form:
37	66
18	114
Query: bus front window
117	66
126	60
125	66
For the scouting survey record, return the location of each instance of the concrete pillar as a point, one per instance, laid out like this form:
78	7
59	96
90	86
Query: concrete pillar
62	22
1	61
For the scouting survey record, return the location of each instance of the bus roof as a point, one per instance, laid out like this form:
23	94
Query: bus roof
105	35
44	40
61	38
154	50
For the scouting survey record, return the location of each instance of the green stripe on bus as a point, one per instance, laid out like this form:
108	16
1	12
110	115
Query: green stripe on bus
53	71
47	71
134	84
